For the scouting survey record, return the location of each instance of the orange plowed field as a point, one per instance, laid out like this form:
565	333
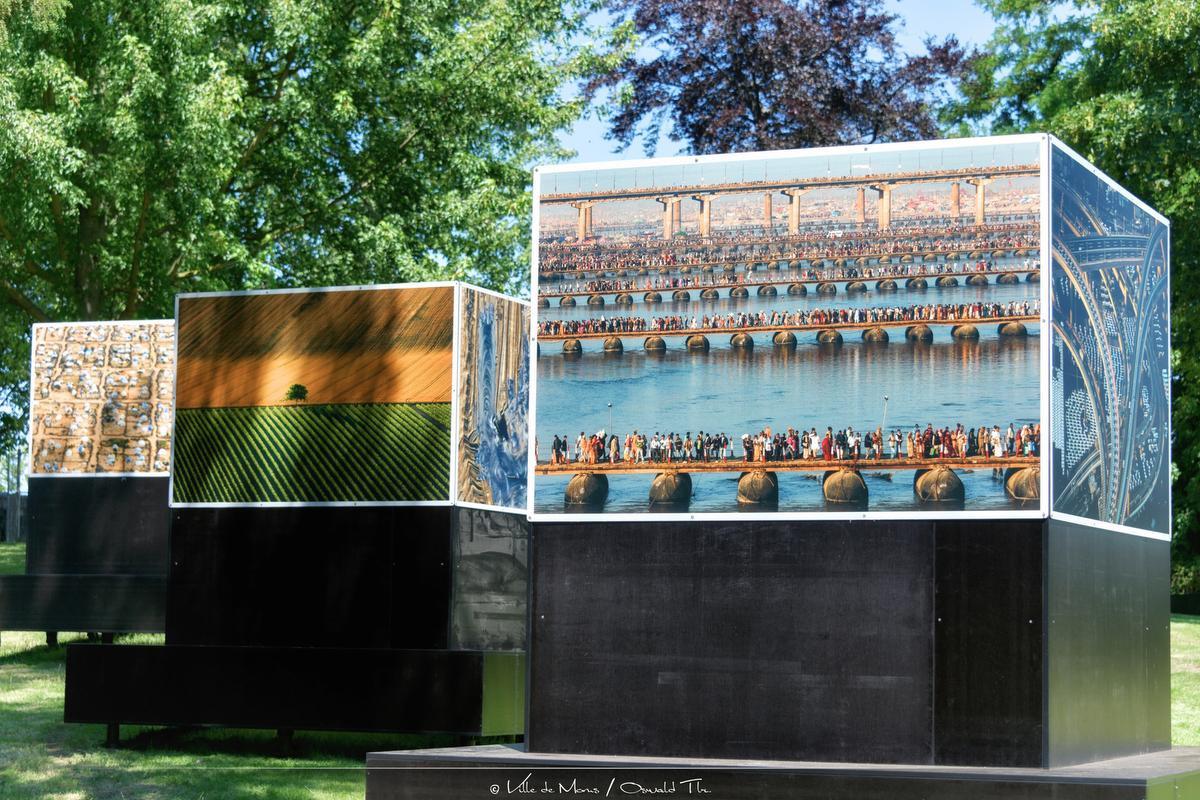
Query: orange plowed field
365	346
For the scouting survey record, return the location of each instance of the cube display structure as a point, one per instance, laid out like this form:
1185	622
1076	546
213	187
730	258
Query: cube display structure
348	499
377	395
100	426
882	435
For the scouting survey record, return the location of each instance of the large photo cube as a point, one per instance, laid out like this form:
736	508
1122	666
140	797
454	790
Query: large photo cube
855	331
348	395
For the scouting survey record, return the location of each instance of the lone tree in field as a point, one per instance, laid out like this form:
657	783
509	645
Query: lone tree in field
774	74
297	392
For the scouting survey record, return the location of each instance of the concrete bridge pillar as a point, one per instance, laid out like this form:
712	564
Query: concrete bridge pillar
860	206
587	490
670	215
829	336
671	490
758	488
697	342
938	485
885	205
980	194
794	196
583	224
705	201
767	213
845	487
955	201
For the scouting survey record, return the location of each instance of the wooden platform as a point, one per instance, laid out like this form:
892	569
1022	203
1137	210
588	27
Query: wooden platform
774	329
793	465
507	771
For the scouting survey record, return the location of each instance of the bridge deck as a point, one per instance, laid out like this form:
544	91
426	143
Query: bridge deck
748	187
807	236
798	465
554	337
914	256
775	279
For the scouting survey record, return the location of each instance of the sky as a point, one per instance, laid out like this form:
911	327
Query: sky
919	19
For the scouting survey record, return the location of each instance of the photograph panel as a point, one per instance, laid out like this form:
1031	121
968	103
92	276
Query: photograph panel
493	446
794	333
314	397
101	398
1110	353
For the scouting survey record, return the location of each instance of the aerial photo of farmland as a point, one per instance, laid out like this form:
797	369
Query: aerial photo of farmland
318	396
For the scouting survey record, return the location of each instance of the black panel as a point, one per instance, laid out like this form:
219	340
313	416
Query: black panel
1108	643
739	639
106	603
298	688
313	577
988	655
97	525
489	604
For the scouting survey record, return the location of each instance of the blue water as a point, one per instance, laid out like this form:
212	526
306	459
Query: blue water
989	381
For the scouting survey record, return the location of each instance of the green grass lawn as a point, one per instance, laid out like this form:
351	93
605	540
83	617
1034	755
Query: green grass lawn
12	558
1185	680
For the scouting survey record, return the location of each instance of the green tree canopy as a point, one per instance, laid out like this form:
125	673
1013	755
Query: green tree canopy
165	146
1119	82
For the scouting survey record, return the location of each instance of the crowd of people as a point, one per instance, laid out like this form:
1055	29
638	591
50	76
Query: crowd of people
725	279
585	256
967	312
798	444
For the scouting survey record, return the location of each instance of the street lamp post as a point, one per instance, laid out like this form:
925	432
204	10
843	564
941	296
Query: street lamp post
610	419
885	402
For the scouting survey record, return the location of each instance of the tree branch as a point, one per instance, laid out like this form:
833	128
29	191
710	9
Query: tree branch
135	260
18	298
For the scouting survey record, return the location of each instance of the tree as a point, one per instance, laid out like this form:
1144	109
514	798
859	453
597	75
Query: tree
735	75
165	146
297	392
1117	82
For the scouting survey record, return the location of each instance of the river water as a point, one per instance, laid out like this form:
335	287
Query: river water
990	381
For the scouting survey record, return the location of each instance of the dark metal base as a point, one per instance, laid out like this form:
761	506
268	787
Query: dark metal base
104	603
508	771
470	693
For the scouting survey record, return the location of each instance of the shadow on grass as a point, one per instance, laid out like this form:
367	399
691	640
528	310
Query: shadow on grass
12	558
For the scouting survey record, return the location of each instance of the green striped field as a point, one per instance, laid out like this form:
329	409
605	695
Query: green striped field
318	454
